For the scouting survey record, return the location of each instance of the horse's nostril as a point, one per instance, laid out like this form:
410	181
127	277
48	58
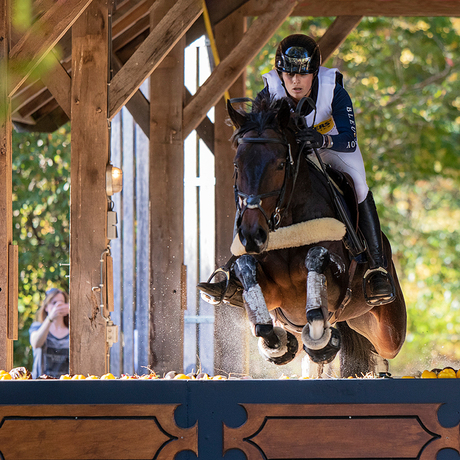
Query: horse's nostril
262	235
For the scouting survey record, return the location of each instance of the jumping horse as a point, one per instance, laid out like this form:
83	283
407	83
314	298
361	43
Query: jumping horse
300	281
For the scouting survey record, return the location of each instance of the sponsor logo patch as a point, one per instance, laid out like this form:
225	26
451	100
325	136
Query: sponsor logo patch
325	126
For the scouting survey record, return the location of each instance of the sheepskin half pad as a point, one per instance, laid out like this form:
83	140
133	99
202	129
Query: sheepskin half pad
301	234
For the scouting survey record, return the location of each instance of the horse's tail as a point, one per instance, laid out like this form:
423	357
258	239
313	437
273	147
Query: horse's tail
356	353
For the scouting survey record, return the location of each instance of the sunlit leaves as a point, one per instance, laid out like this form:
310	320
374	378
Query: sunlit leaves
41	194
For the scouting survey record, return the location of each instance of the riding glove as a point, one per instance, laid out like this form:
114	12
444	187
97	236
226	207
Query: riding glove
312	136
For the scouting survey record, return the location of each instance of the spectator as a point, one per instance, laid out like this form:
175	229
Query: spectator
49	335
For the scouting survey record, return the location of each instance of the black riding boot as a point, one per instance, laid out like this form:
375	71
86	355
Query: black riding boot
215	293
379	288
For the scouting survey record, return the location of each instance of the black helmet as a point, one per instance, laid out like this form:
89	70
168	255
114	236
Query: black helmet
298	53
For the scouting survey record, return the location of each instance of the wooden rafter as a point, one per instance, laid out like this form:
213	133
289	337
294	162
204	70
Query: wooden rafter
59	84
336	34
226	73
152	52
122	22
138	105
41	38
389	8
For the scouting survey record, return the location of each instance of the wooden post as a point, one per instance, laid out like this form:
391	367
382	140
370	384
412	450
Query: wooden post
88	212
231	340
166	208
6	207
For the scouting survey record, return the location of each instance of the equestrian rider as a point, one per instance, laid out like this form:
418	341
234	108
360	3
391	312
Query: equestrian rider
332	130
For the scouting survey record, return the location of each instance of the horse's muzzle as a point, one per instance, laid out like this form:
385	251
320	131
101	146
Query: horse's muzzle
255	241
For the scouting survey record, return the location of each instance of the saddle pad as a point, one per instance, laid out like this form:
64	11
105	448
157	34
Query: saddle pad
301	234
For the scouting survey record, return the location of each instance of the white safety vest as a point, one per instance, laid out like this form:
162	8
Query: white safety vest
322	120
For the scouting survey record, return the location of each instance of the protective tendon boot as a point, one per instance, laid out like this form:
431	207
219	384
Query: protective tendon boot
216	293
379	288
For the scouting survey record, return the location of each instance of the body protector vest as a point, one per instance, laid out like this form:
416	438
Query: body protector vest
322	119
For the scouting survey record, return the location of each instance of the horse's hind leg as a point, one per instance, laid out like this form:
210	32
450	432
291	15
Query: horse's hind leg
321	340
275	344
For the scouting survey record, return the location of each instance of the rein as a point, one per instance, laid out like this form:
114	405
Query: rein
255	201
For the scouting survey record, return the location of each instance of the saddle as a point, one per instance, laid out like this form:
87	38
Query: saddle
345	188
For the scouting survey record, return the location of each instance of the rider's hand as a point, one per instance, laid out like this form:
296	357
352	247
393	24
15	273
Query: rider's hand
311	136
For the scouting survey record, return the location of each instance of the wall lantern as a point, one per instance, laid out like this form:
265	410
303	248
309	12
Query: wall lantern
113	180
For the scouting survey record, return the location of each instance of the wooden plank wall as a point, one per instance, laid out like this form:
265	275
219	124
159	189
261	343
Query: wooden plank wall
130	150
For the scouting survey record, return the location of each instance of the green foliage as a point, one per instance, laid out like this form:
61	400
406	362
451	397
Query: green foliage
41	197
403	77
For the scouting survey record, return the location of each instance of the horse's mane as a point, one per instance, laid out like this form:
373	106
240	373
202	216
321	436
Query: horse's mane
261	117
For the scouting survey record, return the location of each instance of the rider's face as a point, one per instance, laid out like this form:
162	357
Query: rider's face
297	85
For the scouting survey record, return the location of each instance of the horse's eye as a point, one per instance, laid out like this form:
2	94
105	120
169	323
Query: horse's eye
235	165
280	166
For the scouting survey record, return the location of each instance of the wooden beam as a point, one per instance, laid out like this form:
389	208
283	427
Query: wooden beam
389	8
336	34
138	105
13	293
205	129
27	95
230	356
88	212
41	38
42	99
6	201
218	11
58	82
226	73
152	51
123	22
167	207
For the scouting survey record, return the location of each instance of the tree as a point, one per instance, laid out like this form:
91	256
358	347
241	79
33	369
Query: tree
41	194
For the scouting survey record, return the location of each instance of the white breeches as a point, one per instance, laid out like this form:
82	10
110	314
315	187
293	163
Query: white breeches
352	164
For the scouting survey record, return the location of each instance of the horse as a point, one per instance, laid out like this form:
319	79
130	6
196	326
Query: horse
292	257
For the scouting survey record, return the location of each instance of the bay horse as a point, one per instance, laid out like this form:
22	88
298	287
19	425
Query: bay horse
298	276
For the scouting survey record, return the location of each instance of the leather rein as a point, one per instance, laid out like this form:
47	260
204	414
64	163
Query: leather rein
255	201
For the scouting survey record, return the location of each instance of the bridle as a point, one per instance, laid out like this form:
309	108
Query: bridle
255	201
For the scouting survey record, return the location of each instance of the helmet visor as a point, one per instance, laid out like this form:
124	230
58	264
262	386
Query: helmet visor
295	60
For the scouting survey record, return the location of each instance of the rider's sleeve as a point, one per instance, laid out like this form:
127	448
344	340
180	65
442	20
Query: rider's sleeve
344	118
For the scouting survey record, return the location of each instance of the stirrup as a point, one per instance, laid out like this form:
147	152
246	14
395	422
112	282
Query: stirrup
383	299
228	291
218	300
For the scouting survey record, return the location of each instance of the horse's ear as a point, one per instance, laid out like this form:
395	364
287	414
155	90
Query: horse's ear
238	119
284	114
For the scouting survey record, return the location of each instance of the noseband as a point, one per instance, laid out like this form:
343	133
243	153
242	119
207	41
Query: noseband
255	201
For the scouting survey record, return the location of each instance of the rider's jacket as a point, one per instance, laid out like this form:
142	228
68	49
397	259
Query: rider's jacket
334	110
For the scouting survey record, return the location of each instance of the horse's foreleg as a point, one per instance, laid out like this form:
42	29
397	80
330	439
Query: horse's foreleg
275	344
321	341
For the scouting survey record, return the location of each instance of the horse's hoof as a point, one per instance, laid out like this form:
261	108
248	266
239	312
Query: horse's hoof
326	354
283	354
316	335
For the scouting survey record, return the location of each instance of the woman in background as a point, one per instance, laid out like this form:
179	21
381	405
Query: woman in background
49	335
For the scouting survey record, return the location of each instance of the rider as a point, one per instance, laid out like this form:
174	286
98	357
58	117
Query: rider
332	130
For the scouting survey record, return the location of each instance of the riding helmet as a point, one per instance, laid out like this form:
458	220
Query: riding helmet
298	53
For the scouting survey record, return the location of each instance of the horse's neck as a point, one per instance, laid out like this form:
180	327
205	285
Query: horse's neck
311	198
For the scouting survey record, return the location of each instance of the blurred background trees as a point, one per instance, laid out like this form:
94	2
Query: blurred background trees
403	77
41	213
